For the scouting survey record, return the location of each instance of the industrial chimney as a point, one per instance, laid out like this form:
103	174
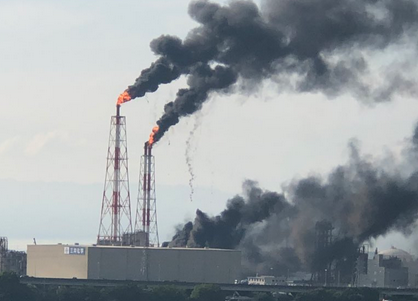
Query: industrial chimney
146	228
115	220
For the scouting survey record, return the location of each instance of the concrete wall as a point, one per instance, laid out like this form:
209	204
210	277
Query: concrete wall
396	277
55	261
412	273
375	276
164	264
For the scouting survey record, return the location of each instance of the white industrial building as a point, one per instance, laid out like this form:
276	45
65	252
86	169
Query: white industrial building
266	280
134	263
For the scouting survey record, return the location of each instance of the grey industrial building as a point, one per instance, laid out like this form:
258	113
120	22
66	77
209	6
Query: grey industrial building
134	263
389	268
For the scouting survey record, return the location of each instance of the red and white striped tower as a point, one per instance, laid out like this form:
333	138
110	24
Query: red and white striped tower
115	220
146	214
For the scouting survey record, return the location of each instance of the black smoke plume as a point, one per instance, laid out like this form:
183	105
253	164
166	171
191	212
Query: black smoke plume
306	45
361	200
228	229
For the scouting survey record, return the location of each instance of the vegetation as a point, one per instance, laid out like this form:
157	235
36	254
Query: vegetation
353	294
12	290
207	292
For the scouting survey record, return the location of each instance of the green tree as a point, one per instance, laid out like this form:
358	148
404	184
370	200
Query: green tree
357	294
403	298
45	293
86	293
12	290
167	293
207	292
316	295
125	293
284	297
263	297
351	294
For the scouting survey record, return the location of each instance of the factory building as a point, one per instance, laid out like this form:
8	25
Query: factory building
134	263
11	261
266	280
390	268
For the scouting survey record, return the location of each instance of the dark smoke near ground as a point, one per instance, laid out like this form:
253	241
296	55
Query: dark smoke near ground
361	199
305	45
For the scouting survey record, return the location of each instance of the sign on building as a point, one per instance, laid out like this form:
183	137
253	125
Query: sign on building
74	250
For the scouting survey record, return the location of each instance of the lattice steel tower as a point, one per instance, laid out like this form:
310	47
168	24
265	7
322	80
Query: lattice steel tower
323	240
146	214
115	221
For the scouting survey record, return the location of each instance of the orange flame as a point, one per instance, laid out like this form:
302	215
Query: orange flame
124	97
151	136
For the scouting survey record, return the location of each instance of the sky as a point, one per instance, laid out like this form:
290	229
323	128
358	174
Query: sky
63	64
